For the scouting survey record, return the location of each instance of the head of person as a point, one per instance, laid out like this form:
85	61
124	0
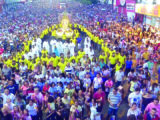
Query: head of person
98	75
76	103
65	95
6	91
15	109
132	117
36	90
25	112
99	90
115	90
137	91
153	111
10	82
58	99
121	70
93	101
134	106
156	101
31	102
5	110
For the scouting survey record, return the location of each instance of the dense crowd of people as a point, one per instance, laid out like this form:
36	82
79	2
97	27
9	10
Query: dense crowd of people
111	61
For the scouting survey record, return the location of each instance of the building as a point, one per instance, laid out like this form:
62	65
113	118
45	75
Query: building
148	12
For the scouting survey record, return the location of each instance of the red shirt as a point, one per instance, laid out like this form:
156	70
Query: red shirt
105	29
45	88
98	96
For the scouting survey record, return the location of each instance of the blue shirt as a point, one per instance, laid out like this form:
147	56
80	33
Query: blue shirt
52	90
129	64
12	89
92	75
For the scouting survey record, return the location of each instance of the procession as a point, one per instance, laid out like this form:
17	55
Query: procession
82	62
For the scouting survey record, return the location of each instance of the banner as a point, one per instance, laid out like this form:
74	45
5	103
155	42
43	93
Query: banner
150	10
13	1
130	6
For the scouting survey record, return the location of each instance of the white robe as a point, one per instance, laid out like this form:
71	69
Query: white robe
46	45
59	47
72	47
53	44
65	49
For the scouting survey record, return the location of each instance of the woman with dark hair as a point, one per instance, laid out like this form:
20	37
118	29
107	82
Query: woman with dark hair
146	99
6	115
32	109
50	110
132	117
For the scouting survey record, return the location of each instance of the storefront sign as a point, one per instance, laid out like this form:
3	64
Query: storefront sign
150	10
130	6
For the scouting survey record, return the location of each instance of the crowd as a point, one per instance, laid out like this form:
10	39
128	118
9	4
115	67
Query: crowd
115	63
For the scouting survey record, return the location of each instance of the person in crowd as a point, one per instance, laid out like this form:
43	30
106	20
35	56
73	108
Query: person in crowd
135	97
32	109
155	104
134	110
152	115
114	99
64	78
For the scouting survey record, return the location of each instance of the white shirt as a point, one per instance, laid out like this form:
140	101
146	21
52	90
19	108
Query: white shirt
32	109
39	41
97	82
5	97
86	82
72	46
53	44
135	98
134	112
46	45
94	113
81	75
23	68
10	106
145	65
119	76
91	53
53	79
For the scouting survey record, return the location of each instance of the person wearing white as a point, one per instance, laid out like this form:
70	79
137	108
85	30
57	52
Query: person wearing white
59	47
97	82
39	43
9	104
65	49
134	110
91	53
46	45
87	42
94	114
72	47
87	81
86	49
53	44
119	75
135	97
6	95
23	68
32	108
